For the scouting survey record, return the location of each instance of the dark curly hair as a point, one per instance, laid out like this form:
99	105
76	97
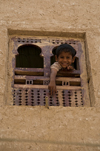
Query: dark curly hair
65	48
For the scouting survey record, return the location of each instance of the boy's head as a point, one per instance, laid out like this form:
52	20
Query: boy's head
65	55
65	48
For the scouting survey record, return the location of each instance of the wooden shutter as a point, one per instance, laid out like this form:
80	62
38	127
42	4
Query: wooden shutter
30	85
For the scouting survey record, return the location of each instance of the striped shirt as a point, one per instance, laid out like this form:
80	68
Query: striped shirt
56	66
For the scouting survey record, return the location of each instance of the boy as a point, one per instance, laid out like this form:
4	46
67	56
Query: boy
65	56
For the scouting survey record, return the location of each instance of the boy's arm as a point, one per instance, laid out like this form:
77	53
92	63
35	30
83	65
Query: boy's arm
52	84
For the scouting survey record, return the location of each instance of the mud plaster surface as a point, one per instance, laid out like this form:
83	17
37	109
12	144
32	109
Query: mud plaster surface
21	127
49	129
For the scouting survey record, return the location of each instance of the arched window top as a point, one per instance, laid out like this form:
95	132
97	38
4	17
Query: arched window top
54	50
28	48
29	57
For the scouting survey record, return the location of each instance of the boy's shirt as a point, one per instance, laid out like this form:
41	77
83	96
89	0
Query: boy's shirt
56	66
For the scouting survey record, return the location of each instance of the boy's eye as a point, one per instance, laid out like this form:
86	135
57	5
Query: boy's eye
62	57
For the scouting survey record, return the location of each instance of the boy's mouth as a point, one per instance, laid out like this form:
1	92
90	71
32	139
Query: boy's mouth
65	64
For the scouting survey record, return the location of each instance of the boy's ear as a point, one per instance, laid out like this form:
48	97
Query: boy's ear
73	59
56	57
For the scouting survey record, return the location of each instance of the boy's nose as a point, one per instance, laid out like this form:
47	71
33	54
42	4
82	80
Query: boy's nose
65	59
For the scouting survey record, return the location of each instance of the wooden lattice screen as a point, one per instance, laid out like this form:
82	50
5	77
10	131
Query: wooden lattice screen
30	85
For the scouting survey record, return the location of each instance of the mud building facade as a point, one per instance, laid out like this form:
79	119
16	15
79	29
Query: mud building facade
57	128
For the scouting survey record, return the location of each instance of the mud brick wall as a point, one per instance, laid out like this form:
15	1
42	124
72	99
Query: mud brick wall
57	128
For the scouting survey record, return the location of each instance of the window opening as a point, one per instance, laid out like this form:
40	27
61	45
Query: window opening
52	59
75	64
29	57
31	79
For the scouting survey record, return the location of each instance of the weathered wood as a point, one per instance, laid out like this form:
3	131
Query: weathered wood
23	97
29	71
29	97
41	97
17	97
19	77
66	98
79	98
66	73
73	99
38	71
46	87
60	97
35	97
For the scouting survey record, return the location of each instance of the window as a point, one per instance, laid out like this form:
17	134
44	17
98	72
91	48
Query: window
27	57
31	63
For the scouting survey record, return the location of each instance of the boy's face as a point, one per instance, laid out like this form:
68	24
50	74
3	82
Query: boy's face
65	59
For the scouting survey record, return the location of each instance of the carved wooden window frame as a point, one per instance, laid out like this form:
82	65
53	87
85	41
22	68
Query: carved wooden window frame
34	95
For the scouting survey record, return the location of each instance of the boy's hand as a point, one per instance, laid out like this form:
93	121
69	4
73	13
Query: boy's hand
52	88
70	68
